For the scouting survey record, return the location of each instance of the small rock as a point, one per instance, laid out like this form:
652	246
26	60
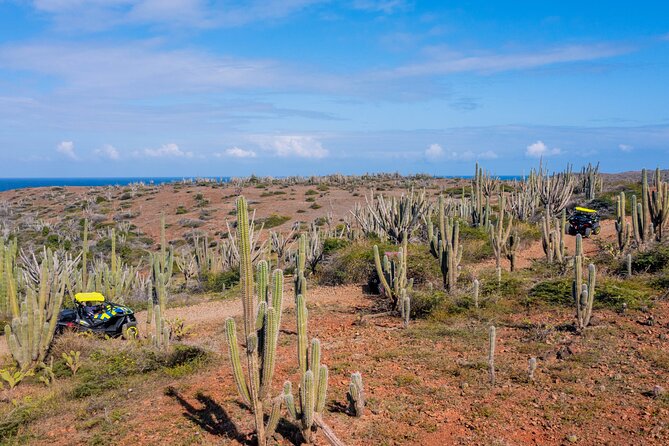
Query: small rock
464	386
571	438
658	391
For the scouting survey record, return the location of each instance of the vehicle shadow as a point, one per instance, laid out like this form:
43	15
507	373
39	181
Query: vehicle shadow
211	417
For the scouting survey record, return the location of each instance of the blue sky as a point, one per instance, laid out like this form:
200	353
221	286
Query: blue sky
197	87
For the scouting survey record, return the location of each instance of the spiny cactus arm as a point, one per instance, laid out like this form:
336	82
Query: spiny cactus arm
315	360
262	280
356	394
246	269
321	387
289	401
380	272
260	315
307	401
491	353
274	417
302	344
271	337
238	373
11	287
592	278
277	295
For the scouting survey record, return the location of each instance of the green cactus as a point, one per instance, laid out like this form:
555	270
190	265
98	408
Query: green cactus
356	395
552	236
393	276
499	234
445	246
300	265
476	293
34	319
512	248
658	205
582	293
262	318
492	338
307	410
622	227
84	259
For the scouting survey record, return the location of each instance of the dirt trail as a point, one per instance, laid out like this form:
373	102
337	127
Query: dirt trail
535	251
205	315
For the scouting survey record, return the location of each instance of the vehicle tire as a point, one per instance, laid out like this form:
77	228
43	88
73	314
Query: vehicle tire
571	231
587	232
598	229
130	331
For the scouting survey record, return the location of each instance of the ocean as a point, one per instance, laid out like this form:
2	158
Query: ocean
21	183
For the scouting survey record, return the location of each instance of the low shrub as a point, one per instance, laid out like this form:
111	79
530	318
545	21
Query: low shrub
352	264
219	282
272	221
651	261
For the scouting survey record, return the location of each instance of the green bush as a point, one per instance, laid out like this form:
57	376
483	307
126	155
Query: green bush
181	210
219	282
651	261
331	245
352	264
422	267
424	302
272	221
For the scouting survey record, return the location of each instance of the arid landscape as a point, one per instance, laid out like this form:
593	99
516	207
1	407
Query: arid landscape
428	376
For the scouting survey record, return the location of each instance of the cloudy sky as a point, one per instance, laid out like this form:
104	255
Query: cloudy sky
280	87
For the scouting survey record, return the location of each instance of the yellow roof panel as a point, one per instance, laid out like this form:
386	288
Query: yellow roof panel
580	209
89	297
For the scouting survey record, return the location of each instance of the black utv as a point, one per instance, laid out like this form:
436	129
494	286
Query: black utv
92	313
584	221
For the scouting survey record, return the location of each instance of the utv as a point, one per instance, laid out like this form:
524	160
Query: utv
93	314
584	221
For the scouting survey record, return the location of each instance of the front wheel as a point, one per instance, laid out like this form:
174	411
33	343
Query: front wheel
130	331
588	231
598	229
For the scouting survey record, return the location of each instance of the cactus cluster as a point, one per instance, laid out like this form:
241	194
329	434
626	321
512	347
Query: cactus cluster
582	292
356	395
262	319
622	226
483	187
34	315
161	274
641	227
7	274
658	205
499	235
394	218
554	190
552	236
591	181
445	246
394	282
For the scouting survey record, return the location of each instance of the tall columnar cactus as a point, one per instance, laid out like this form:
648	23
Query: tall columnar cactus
582	293
394	218
310	404
499	233
590	181
356	395
641	227
34	317
162	264
658	205
445	246
512	245
552	237
84	259
393	277
7	275
554	190
475	292
262	318
622	226
492	339
300	265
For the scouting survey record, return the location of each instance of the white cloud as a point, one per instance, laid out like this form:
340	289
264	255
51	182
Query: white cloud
625	147
540	149
170	150
67	148
301	146
435	151
108	151
384	6
444	61
488	155
236	152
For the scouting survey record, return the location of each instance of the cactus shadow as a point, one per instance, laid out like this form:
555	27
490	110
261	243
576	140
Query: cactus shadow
289	431
211	417
339	407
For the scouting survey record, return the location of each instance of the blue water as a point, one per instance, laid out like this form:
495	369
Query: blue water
21	183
